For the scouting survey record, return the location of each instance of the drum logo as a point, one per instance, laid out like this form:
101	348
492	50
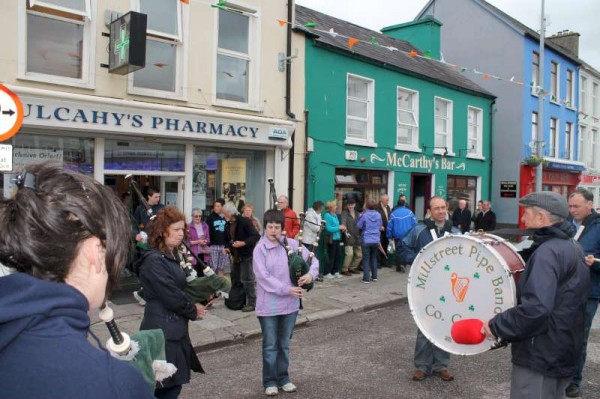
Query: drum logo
460	286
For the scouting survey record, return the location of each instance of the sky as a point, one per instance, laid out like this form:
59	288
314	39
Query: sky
575	15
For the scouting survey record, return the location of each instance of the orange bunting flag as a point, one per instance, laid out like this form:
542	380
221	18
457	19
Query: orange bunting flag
185	1
486	76
412	53
352	41
282	22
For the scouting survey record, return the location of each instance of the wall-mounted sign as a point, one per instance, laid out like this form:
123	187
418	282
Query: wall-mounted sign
6	157
508	189
351	155
278	133
11	113
127	46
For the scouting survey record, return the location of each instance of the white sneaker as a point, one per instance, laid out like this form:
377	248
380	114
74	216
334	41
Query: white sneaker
328	276
272	391
337	275
138	298
289	388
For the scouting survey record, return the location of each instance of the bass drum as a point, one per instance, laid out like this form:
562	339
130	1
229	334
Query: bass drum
462	277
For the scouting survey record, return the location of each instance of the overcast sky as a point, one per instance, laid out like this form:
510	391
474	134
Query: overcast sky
581	16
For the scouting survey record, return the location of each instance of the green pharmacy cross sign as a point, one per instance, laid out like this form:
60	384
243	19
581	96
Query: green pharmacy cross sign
127	47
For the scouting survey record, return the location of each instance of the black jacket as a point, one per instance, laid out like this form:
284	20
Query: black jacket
485	221
243	231
170	309
546	326
462	219
216	229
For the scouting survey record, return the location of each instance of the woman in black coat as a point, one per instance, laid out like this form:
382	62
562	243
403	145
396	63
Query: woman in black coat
167	305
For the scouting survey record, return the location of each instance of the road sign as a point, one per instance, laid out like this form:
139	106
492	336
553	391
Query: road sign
11	113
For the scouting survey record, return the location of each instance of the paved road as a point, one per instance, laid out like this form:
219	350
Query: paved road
363	355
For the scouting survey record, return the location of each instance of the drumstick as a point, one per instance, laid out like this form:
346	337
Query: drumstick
596	260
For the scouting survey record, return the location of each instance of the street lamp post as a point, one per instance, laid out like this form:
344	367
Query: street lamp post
539	141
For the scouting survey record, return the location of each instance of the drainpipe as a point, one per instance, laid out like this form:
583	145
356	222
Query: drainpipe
288	90
306	159
492	130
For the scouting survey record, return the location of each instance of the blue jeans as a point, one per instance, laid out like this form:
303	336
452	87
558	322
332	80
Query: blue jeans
428	357
370	261
590	312
276	334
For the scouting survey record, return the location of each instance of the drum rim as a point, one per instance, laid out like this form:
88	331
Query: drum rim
504	265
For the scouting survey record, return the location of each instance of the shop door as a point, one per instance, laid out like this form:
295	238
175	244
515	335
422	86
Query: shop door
420	194
171	188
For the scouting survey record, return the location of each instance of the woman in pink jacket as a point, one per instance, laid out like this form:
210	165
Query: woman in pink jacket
277	301
199	239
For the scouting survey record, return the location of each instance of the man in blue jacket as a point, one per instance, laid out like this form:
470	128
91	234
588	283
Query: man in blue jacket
587	223
401	221
428	358
546	326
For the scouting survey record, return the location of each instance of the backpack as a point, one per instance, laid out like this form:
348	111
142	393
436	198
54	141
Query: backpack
237	297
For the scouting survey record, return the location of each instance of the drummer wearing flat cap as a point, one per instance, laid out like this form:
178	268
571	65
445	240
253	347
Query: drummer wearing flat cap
545	328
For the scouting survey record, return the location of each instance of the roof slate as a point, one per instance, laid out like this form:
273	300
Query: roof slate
419	66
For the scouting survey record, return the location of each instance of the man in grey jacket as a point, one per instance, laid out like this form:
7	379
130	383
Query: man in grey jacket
351	239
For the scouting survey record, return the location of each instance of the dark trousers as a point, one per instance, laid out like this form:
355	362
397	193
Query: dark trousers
242	272
384	244
168	393
333	253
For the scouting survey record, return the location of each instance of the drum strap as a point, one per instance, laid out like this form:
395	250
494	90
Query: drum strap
434	234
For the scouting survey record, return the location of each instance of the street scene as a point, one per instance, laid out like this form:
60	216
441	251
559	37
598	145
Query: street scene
322	199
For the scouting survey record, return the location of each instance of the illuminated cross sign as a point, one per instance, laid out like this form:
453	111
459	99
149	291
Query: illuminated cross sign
127	49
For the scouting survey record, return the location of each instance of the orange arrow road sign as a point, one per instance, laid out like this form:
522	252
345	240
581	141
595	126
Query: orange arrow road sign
11	113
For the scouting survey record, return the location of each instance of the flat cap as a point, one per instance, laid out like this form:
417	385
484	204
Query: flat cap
550	201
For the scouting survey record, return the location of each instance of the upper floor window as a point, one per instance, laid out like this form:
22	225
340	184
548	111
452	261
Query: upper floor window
595	153
553	148
583	150
554	81
408	119
236	56
443	124
475	131
58	42
568	137
582	95
164	49
535	72
570	89
595	99
359	110
534	126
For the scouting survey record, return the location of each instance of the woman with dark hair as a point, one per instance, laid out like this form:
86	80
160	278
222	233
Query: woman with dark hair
277	301
66	238
167	306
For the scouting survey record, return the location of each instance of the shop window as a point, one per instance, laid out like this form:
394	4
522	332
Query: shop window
142	156
462	187
58	42
228	175
28	149
359	110
475	131
236	56
164	68
408	119
443	125
359	185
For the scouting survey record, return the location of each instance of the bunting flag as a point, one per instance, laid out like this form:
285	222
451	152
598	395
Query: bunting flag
352	41
332	33
185	1
282	22
220	5
413	53
310	25
374	41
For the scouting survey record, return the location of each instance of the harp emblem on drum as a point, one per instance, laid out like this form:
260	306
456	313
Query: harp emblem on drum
460	285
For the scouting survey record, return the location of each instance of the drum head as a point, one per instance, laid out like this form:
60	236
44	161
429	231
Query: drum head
458	277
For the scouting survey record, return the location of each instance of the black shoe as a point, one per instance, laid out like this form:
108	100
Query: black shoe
400	269
573	391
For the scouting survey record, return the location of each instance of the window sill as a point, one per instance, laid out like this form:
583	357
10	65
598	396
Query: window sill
555	103
157	94
57	80
476	156
236	105
360	143
399	147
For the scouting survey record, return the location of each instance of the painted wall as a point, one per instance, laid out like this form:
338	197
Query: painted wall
326	80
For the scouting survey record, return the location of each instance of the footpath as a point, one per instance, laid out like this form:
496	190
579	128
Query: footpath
327	299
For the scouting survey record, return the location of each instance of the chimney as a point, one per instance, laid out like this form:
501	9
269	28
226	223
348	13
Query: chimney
567	40
424	34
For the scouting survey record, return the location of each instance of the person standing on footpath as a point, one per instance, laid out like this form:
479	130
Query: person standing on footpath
334	235
587	223
384	210
292	224
486	220
312	225
277	301
401	221
545	329
369	223
461	217
216	231
241	237
428	358
352	246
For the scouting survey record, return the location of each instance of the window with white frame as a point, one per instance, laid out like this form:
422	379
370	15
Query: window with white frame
553	147
236	51
554	81
535	73
443	124
164	49
595	153
475	131
408	119
570	89
568	137
595	99
359	110
582	95
58	45
583	149
534	127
